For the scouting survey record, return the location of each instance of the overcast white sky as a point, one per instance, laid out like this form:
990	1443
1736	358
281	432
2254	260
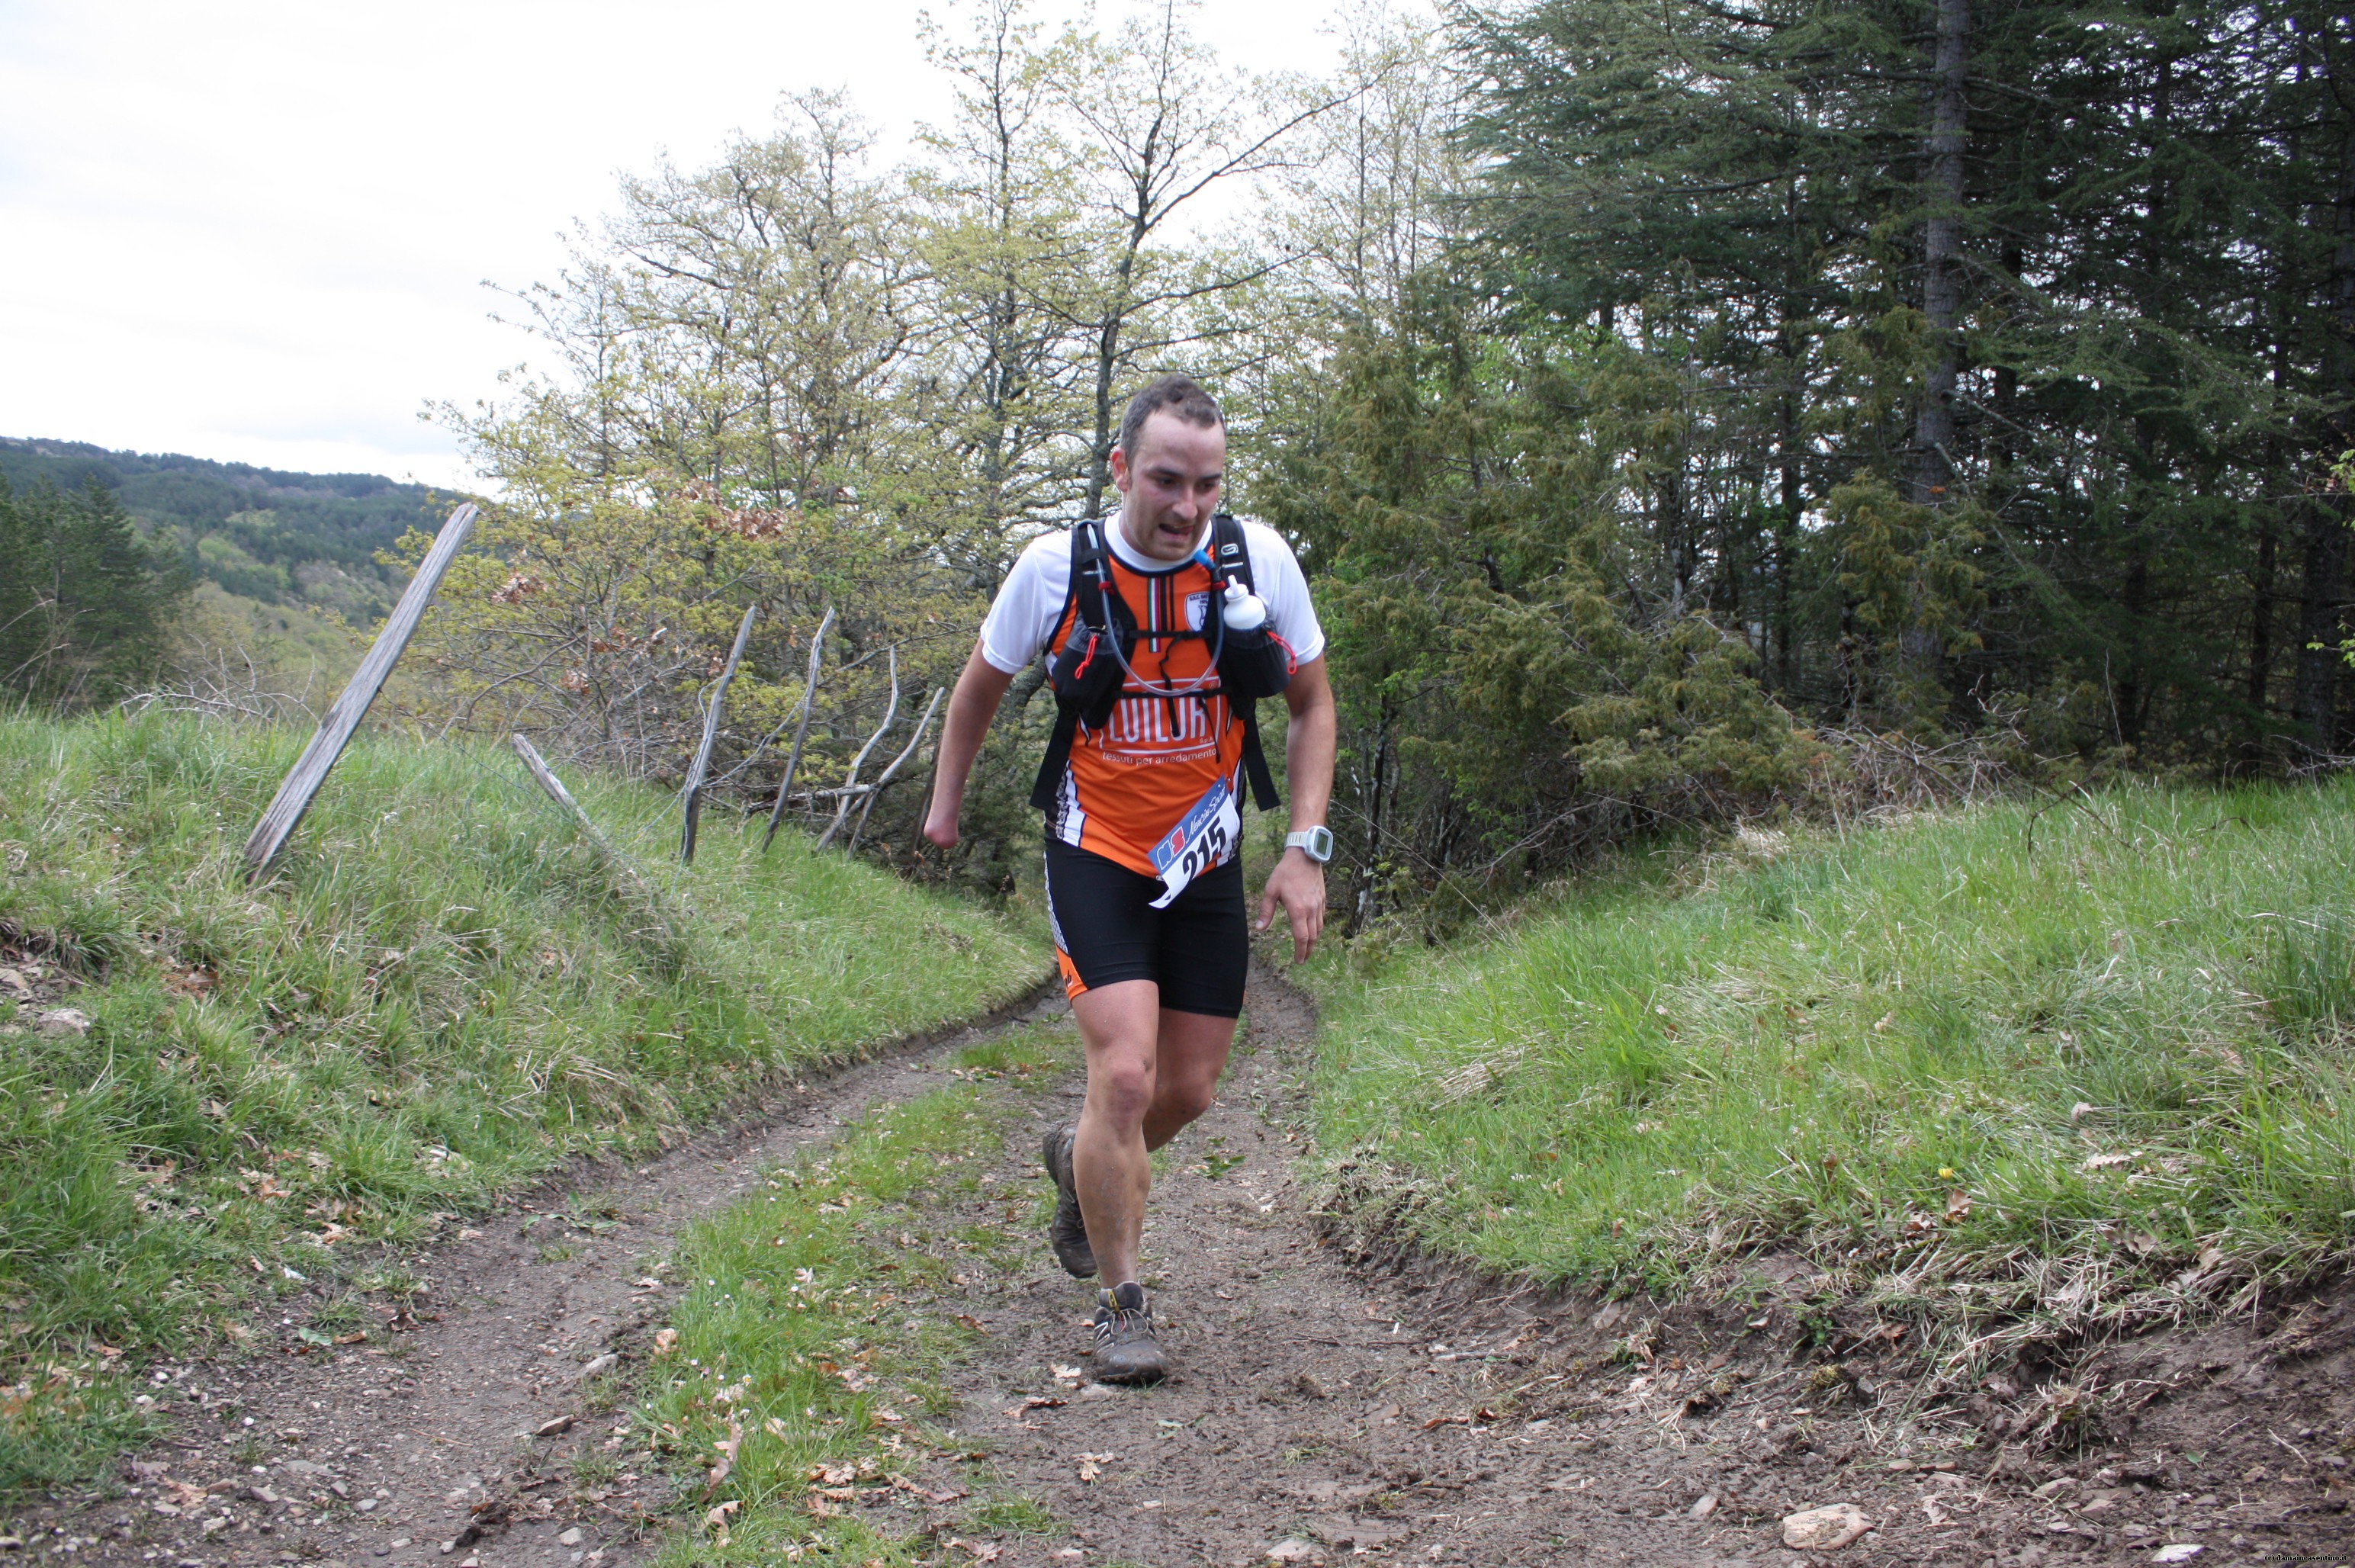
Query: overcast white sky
259	231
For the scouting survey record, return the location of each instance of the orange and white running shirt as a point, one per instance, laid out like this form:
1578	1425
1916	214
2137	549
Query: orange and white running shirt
1161	761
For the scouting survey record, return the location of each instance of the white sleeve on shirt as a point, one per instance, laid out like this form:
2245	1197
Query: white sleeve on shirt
1277	578
1030	601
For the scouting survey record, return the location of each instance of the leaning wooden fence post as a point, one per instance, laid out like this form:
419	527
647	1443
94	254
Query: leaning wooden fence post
801	731
877	787
335	731
606	850
850	784
554	787
692	795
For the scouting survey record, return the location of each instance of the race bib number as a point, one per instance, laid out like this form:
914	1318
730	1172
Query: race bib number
1198	843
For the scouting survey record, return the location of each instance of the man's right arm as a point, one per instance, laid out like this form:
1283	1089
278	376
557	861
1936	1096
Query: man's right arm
971	708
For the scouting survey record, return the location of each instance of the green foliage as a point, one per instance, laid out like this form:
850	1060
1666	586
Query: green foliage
1686	336
1958	1062
60	1422
439	994
84	603
789	381
2125	526
2310	988
796	381
595	610
1519	673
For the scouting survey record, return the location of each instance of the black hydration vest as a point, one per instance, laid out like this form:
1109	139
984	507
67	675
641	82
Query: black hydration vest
1088	677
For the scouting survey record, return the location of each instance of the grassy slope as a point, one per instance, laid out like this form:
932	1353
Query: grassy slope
1978	1064
440	994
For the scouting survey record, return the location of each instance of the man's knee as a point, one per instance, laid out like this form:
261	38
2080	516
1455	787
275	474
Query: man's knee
1121	1088
1184	1099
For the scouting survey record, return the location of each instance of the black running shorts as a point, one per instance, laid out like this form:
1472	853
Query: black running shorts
1106	930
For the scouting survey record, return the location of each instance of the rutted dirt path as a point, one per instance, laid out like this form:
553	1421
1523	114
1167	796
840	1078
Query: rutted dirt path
384	1453
1325	1409
1326	1412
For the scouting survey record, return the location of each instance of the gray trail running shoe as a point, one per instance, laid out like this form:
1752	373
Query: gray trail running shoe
1127	1350
1067	1233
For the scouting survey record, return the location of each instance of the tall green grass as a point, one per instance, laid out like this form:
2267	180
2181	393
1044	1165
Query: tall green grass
439	993
2033	1061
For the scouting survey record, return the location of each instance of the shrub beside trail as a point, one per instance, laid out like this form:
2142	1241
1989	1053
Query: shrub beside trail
209	1089
2022	1071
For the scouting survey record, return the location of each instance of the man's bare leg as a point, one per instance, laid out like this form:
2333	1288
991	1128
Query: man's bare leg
1194	1049
1150	1072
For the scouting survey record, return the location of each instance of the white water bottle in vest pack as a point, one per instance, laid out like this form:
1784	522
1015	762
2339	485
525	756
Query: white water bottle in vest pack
1244	610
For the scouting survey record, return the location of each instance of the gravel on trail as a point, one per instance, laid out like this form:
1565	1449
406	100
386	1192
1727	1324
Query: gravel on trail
1328	1405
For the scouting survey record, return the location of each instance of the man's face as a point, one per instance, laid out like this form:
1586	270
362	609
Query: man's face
1170	485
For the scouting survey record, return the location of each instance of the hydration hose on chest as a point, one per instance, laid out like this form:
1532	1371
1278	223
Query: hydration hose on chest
1087	692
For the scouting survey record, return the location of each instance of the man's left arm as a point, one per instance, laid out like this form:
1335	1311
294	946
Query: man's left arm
1298	882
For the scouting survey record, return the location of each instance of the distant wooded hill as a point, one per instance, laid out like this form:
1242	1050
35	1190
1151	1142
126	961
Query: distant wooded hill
294	540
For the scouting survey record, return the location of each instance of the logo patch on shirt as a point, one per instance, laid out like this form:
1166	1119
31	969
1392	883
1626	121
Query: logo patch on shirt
1197	610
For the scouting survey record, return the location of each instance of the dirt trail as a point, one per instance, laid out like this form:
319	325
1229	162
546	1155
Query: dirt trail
1325	1408
360	1455
1325	1411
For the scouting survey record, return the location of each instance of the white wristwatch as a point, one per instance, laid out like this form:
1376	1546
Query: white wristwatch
1316	843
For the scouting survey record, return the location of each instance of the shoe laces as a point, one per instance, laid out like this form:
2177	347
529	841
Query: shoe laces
1116	1322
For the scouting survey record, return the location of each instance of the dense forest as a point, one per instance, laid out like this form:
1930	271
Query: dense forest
86	603
265	534
1669	399
121	570
1960	367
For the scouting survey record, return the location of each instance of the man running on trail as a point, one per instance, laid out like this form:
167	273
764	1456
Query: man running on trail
1163	610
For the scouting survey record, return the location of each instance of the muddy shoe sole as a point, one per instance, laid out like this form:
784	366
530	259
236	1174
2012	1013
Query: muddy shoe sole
1067	1233
1140	1361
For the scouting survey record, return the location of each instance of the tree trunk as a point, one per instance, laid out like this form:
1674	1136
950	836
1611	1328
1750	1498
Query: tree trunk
1141	218
2322	603
1100	442
2131	703
2264	581
1941	309
2315	694
2261	652
1786	546
1790	460
1942	246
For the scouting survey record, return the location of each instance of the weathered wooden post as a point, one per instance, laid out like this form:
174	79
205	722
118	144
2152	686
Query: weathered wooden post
554	789
606	850
691	797
801	731
885	777
335	731
849	791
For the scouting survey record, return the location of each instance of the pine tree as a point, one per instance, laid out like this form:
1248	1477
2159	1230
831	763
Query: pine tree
85	603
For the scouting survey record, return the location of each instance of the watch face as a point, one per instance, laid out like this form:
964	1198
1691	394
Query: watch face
1316	843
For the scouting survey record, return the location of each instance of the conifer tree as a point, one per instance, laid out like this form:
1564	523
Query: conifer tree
85	603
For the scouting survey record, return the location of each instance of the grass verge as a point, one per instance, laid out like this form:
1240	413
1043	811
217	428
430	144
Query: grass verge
798	1393
2025	1070
439	994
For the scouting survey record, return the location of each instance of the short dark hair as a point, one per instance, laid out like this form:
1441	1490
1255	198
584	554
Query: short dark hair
1180	395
